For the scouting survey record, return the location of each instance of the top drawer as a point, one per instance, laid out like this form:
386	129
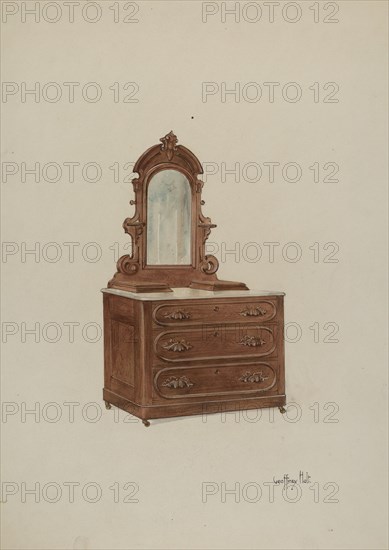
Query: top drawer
179	314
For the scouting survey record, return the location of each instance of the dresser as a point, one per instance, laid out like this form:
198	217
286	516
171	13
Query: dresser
193	351
178	340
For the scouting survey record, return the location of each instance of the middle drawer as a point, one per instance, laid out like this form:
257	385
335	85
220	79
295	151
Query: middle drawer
215	342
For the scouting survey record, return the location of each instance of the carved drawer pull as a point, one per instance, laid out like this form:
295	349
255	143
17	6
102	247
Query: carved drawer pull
252	311
177	345
174	382
177	315
256	377
252	341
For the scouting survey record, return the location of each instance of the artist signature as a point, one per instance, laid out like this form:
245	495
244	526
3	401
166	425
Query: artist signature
286	479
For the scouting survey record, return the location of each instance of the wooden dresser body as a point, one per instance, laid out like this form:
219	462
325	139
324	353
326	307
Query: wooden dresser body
193	351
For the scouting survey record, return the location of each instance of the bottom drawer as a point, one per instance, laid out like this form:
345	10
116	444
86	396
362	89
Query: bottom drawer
206	381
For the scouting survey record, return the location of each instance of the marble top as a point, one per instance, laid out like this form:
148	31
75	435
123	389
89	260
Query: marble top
190	294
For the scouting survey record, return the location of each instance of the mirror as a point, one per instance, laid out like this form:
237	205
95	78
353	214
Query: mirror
169	219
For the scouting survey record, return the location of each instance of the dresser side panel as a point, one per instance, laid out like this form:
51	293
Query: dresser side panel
121	343
107	341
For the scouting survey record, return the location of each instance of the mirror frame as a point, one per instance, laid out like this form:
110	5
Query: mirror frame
133	272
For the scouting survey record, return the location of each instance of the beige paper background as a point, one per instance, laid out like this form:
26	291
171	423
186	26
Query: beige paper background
169	53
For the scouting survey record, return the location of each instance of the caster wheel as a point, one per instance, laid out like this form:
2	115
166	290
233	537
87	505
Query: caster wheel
282	410
146	423
108	405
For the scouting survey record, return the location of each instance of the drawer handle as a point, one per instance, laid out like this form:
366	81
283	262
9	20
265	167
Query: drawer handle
256	377
174	382
252	341
177	345
216	308
178	315
252	311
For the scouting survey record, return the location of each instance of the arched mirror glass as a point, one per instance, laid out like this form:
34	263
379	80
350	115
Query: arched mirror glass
169	219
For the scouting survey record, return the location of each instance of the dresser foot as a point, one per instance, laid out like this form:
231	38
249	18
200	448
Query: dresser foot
146	423
282	410
108	405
